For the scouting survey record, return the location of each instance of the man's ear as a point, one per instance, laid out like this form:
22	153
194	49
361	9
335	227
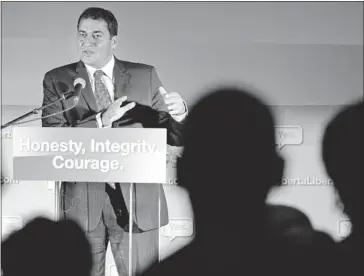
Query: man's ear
114	41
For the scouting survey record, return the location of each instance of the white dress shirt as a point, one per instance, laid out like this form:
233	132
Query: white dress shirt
107	79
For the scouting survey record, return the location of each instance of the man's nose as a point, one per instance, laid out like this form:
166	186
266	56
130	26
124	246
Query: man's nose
88	40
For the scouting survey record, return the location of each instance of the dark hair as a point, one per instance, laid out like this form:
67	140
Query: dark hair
228	147
101	14
41	243
342	149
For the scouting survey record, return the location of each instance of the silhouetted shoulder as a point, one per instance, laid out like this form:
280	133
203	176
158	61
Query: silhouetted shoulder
182	263
323	238
325	246
288	231
38	247
281	217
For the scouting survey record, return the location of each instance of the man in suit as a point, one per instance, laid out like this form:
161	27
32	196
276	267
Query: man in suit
103	209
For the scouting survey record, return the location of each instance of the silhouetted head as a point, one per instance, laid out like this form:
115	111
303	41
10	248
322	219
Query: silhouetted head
44	247
229	161
342	153
285	221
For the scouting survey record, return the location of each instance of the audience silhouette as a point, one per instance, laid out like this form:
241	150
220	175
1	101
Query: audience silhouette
289	229
44	247
228	165
342	153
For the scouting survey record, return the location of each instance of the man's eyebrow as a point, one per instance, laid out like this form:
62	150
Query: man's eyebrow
82	31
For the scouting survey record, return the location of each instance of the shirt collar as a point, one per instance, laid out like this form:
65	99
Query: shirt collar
108	69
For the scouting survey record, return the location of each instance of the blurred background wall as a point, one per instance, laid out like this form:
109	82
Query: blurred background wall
296	53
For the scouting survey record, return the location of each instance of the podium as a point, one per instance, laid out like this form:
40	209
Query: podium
93	155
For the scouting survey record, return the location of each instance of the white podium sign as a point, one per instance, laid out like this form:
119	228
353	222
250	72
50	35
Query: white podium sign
135	155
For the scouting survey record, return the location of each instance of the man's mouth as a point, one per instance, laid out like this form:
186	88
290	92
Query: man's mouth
88	53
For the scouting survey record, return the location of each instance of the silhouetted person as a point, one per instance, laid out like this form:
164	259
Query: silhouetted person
297	248
44	247
228	165
342	153
289	228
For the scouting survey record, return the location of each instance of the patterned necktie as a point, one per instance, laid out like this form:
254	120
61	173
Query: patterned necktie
103	101
102	95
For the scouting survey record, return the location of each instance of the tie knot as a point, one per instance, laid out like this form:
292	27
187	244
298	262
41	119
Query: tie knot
98	74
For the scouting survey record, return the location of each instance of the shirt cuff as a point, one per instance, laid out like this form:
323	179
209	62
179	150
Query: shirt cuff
99	121
180	118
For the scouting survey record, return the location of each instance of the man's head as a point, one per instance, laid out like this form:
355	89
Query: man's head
342	153
37	248
97	31
229	159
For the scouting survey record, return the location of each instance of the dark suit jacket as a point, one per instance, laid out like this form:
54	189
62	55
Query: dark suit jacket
139	82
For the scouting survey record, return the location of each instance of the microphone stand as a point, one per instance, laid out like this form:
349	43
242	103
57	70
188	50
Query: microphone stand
34	111
57	184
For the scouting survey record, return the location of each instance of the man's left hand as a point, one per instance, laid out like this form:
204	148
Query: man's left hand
175	103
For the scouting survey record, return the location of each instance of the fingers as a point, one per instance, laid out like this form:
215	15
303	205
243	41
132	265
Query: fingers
127	107
173	101
119	101
115	112
122	110
176	112
172	106
162	91
177	108
172	98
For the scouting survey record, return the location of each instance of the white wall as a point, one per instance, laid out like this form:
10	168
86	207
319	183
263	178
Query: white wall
296	53
21	201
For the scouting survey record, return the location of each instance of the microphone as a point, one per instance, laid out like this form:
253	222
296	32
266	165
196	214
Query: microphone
79	84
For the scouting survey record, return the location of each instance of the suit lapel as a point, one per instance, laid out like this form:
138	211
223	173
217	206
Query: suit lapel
87	93
122	80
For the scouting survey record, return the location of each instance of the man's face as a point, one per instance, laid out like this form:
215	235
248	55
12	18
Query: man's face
95	43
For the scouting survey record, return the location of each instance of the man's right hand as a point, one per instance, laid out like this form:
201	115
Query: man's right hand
115	111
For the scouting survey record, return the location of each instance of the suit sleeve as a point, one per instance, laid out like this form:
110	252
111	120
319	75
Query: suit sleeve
60	118
174	128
